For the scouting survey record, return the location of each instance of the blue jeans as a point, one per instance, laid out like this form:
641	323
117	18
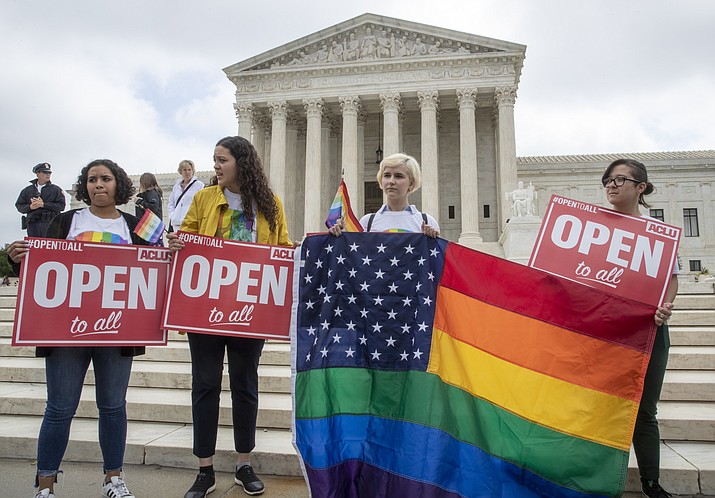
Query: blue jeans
65	370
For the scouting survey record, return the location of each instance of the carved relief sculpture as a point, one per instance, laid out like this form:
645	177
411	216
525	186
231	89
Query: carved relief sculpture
363	44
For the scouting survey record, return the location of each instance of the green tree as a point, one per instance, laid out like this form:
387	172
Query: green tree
4	264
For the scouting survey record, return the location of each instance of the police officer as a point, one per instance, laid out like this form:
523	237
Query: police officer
40	201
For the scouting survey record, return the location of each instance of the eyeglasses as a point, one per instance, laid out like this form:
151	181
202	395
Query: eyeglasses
618	181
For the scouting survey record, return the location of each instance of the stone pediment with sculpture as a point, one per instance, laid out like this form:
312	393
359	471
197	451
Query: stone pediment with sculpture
373	42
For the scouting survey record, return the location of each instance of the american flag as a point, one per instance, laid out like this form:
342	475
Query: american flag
367	300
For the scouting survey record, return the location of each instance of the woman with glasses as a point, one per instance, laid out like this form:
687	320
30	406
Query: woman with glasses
626	183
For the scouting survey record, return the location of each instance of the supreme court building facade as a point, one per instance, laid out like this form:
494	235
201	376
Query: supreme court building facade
321	106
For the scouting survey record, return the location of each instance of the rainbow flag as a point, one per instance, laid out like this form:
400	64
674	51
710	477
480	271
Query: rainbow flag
150	227
423	368
341	210
103	237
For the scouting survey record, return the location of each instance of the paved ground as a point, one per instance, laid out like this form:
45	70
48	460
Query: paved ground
81	480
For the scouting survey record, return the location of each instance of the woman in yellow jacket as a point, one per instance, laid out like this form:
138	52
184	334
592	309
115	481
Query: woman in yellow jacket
241	207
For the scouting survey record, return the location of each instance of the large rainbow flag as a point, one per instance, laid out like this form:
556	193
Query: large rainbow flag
341	210
426	369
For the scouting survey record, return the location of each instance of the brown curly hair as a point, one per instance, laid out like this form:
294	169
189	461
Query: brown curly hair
253	183
125	188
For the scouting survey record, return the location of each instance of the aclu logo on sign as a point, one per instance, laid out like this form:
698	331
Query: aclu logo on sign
662	230
282	253
151	254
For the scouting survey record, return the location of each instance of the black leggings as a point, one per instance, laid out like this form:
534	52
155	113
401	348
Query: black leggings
646	436
207	353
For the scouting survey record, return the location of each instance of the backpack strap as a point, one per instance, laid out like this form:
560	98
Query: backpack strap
369	222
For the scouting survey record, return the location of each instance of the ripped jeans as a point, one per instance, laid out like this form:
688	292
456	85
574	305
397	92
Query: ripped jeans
65	370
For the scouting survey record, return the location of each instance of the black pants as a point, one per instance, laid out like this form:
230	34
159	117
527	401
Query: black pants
207	353
646	436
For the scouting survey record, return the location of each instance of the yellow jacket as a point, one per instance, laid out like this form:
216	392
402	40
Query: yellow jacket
205	210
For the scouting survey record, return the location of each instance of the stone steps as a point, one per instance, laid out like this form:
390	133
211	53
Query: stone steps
684	335
687	467
145	404
680	420
691	358
159	404
161	374
152	443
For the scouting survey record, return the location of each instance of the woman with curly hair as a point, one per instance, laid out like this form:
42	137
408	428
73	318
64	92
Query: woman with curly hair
241	207
103	185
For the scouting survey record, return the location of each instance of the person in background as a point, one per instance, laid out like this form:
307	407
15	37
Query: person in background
240	207
398	176
149	196
103	185
183	192
626	183
40	201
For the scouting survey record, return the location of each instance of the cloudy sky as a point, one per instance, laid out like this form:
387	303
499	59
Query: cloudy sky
141	81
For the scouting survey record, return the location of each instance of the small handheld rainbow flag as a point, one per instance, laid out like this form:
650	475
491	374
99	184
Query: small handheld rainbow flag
341	210
150	227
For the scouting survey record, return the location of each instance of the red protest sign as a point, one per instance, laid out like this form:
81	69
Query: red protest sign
224	287
625	255
76	293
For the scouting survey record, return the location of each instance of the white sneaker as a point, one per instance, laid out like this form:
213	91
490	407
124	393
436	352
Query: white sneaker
45	493
116	488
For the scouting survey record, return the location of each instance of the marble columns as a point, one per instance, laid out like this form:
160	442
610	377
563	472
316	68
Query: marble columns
244	114
469	185
313	165
350	107
429	102
391	104
279	117
506	161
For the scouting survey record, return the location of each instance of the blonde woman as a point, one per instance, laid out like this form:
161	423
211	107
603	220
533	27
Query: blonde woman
398	177
183	192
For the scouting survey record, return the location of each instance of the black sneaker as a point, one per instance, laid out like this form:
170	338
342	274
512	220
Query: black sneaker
203	485
245	477
652	489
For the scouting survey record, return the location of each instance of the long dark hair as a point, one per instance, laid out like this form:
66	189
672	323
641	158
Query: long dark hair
638	172
252	180
125	188
148	182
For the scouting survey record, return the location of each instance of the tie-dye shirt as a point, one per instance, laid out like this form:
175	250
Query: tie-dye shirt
233	224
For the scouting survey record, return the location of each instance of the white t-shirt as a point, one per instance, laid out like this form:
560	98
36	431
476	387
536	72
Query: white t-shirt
408	220
90	228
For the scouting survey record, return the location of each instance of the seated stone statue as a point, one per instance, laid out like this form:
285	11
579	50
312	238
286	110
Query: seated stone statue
522	200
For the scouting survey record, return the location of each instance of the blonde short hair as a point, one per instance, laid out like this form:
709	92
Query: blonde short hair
413	168
186	162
